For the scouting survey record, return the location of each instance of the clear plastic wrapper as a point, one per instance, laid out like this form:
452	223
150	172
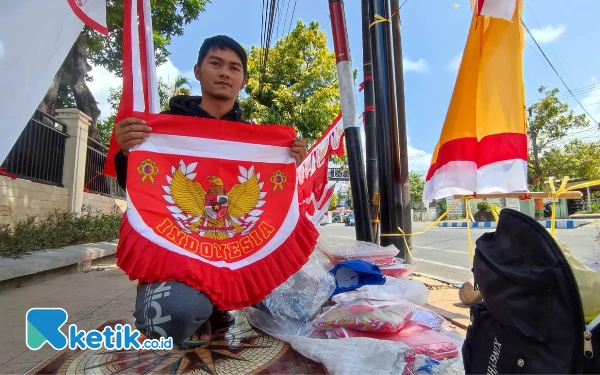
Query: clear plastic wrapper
423	365
423	340
352	356
341	249
364	316
428	318
398	270
303	295
393	290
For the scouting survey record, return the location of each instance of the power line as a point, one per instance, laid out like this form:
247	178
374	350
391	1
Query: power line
287	11
555	71
292	17
578	91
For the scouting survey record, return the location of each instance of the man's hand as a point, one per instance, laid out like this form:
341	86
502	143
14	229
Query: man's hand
131	132
299	150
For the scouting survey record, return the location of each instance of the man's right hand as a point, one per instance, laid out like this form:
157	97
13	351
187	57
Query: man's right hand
131	132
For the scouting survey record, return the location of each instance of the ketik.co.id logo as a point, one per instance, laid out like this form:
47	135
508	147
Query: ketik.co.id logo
43	326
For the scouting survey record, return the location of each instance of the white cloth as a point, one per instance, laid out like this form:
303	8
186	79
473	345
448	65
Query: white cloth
35	38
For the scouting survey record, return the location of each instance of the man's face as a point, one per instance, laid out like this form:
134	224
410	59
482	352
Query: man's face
221	74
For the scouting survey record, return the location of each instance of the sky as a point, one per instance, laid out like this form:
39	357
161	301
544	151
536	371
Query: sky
434	33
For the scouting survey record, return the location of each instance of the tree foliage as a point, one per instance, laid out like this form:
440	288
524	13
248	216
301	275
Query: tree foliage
416	188
333	202
550	120
69	87
299	87
577	159
168	19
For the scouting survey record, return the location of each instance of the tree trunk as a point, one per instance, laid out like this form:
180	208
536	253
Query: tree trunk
72	73
48	104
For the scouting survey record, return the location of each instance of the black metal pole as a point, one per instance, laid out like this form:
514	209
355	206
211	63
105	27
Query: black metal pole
369	99
356	167
401	123
388	155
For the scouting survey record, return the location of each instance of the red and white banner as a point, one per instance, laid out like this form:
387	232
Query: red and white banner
504	9
140	83
214	204
314	192
35	38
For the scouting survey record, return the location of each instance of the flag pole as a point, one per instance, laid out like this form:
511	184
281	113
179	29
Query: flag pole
369	101
388	155
401	123
356	166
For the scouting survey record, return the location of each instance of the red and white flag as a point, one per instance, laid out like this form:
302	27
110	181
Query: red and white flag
214	204
35	38
140	83
504	9
313	180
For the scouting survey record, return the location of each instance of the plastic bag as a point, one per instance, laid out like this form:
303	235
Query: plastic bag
588	282
340	249
364	316
398	270
303	295
428	318
423	365
341	357
423	340
393	290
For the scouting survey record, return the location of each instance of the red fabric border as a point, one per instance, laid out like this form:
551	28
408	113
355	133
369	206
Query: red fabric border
228	289
86	19
221	130
326	135
491	149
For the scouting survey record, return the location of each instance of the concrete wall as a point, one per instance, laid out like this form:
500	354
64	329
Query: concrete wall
21	198
97	202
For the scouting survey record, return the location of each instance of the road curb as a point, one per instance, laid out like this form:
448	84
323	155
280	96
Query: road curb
559	224
47	260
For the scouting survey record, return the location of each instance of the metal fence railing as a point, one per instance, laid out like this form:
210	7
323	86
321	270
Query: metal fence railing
38	154
96	182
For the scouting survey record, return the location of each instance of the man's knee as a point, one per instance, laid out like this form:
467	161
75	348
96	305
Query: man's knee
170	309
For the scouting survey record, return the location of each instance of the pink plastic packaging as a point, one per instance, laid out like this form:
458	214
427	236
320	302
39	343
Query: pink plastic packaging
423	340
363	316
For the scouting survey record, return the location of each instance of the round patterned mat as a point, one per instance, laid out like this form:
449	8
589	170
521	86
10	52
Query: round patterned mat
240	349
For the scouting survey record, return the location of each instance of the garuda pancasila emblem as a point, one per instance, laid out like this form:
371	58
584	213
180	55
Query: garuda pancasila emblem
215	213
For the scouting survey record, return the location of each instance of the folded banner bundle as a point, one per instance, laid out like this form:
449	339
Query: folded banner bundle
214	204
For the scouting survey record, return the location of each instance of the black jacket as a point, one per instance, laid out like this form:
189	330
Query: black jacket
182	105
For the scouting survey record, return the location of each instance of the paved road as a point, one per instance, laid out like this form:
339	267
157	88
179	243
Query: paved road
444	252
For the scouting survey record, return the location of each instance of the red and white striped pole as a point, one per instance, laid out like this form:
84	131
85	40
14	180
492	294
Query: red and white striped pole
358	181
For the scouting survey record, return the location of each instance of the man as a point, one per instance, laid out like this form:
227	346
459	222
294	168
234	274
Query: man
173	309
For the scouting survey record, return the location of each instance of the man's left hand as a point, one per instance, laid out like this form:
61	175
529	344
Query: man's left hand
299	150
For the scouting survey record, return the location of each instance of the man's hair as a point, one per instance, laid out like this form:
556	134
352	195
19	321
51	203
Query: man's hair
222	42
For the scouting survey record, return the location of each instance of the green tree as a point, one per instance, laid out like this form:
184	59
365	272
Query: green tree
577	159
70	83
299	86
416	188
178	87
550	120
333	202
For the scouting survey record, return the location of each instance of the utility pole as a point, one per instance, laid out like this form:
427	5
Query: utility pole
388	154
369	99
356	167
401	123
